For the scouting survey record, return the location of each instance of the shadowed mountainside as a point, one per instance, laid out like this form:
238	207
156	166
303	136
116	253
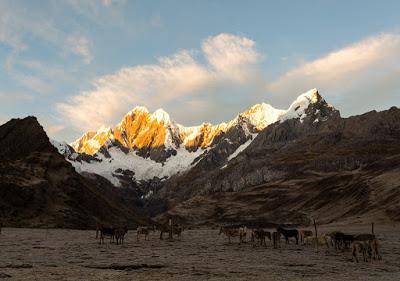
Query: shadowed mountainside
333	169
39	188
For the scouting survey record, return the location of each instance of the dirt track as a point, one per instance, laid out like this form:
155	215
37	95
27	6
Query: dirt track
36	254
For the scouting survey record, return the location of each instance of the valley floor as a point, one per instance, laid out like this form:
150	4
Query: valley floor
56	254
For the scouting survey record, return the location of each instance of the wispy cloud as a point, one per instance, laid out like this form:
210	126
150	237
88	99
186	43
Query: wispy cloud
8	34
37	76
17	25
229	58
99	11
81	46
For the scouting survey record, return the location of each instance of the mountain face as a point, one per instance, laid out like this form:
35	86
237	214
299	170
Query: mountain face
151	146
39	188
321	166
266	166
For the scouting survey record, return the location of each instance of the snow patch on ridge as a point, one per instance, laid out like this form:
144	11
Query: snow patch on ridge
298	107
144	168
242	147
62	147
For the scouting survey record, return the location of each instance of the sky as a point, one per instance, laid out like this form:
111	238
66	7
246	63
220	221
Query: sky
78	65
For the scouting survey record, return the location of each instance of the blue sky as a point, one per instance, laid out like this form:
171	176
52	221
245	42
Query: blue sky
79	65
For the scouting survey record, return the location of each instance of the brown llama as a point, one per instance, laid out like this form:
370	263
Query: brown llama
120	234
305	233
258	236
360	248
229	231
144	230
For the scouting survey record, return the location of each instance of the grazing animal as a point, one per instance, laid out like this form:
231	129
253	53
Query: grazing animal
120	234
144	230
106	231
336	239
276	238
342	241
259	235
242	234
360	248
229	231
162	229
288	233
329	239
374	248
176	229
305	233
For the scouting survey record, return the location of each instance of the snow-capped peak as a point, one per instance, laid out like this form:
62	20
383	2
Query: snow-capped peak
156	146
261	115
298	107
103	130
161	116
312	96
138	109
140	129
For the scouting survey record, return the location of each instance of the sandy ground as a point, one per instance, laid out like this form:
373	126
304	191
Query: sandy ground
55	254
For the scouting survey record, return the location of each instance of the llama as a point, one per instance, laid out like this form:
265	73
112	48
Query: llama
305	233
374	246
288	233
229	231
106	231
242	234
143	230
176	229
362	248
260	235
120	234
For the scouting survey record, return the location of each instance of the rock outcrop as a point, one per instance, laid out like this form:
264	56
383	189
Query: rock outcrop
39	188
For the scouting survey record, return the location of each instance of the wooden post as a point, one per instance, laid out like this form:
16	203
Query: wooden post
372	228
316	234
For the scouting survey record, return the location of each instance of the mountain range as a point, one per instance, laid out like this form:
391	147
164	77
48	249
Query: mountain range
265	166
145	146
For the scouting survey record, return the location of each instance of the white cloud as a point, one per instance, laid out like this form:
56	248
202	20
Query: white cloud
231	55
81	46
358	64
154	85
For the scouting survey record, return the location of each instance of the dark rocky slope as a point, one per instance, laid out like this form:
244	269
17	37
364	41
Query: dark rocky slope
39	188
333	169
